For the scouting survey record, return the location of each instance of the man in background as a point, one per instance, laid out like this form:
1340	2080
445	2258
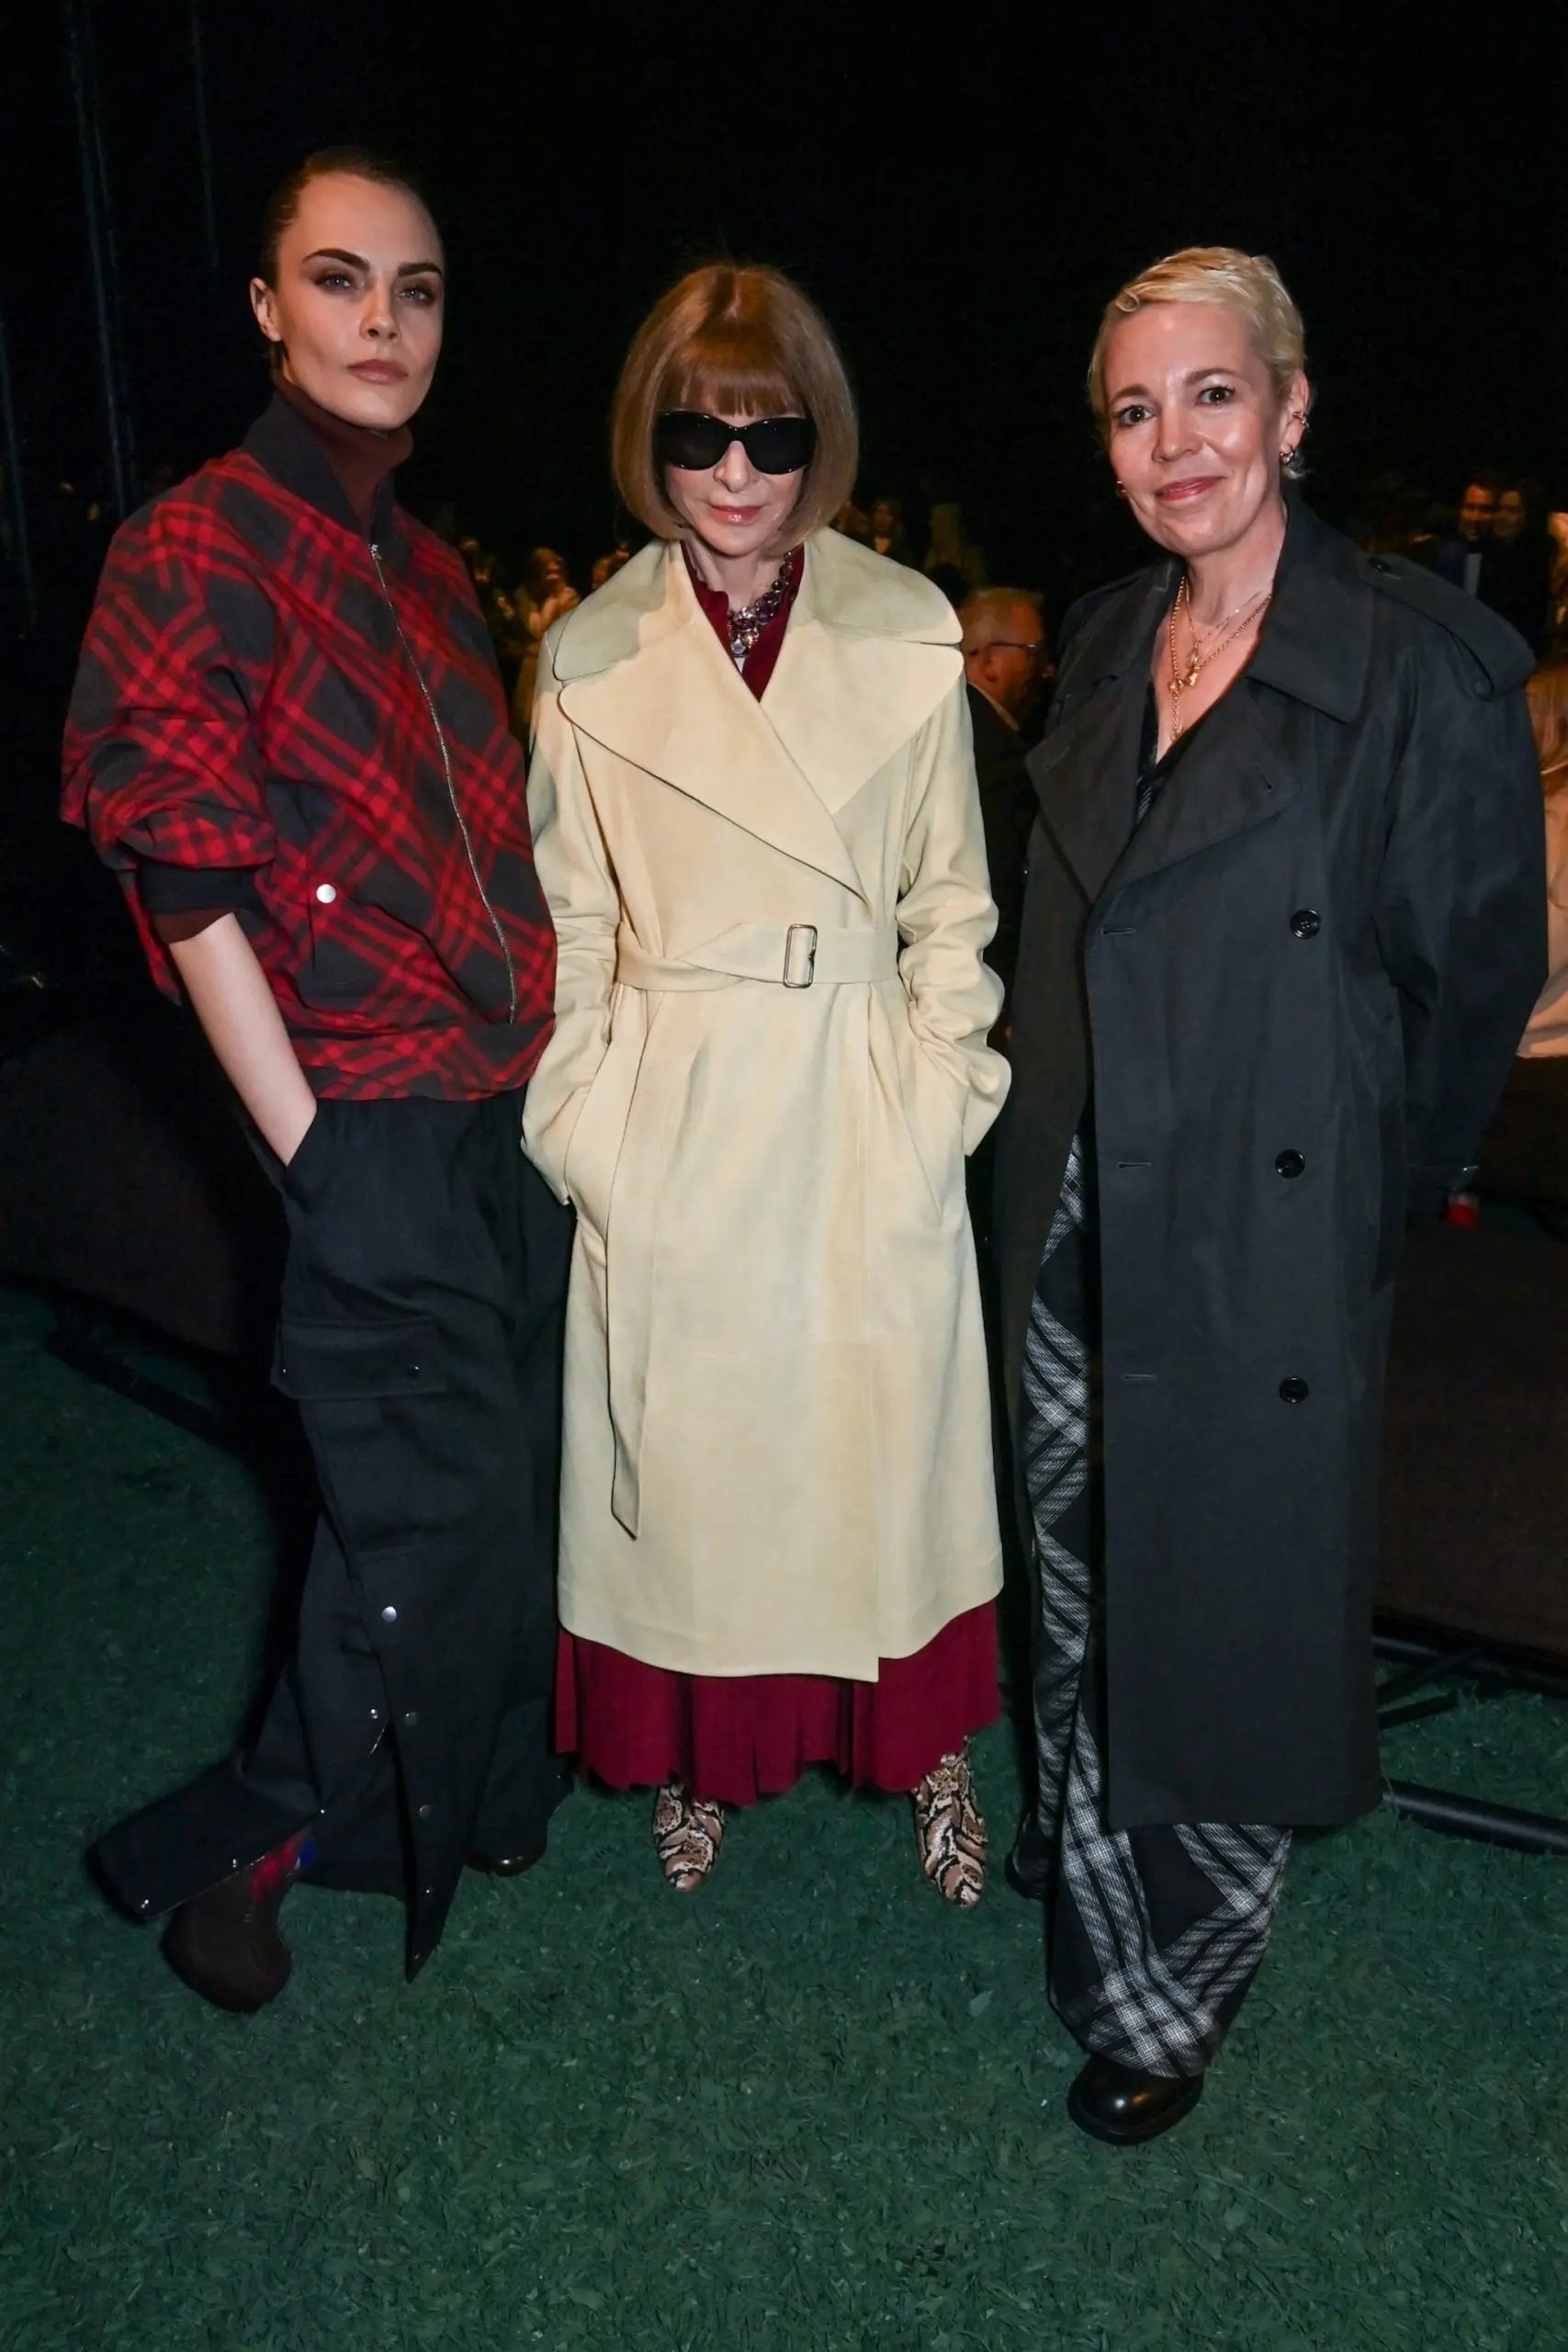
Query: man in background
1516	575
1463	559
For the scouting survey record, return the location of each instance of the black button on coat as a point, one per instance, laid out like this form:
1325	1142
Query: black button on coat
1330	929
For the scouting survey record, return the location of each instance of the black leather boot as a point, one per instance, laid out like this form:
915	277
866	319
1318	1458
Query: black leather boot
1123	2106
508	1865
225	1944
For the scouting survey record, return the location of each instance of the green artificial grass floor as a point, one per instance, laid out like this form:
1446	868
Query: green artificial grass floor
810	2107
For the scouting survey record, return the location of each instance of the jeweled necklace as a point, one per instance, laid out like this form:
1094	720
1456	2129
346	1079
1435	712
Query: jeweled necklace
747	623
1238	616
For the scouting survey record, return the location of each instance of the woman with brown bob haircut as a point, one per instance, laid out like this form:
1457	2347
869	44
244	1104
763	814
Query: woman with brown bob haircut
757	825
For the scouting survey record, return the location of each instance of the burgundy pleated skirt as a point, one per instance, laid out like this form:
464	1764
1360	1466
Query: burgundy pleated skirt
735	1738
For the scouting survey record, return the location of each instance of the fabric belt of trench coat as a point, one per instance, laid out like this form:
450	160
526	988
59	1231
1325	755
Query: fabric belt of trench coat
795	955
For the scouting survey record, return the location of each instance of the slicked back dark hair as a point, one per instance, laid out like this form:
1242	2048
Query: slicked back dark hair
351	162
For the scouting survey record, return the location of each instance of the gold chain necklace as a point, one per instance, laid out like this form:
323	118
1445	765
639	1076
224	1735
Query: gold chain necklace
1197	662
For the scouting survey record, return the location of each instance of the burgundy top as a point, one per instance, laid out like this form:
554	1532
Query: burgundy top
762	660
359	456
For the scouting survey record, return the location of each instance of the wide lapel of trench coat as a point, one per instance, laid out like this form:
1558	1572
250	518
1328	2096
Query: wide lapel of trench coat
1239	769
865	663
1085	771
1247	760
856	678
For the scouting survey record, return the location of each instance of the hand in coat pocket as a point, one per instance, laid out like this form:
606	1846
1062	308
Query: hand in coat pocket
933	1103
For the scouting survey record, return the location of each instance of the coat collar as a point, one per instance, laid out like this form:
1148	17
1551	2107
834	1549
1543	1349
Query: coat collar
285	447
1314	648
1314	644
870	651
1233	775
1086	769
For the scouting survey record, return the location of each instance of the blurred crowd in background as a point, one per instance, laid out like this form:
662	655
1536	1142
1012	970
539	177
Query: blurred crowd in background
1496	540
1496	537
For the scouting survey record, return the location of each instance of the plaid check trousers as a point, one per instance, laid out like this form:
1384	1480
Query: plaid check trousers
1154	1934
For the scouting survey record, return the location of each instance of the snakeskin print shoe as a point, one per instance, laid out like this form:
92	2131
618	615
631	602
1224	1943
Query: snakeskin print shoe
687	1834
949	1831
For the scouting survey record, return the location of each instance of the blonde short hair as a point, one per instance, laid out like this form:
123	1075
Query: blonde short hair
1247	284
742	340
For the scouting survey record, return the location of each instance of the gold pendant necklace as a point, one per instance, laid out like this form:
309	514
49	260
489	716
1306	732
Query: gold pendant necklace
1196	661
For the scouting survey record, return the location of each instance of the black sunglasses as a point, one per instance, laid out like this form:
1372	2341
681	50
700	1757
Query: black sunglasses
774	445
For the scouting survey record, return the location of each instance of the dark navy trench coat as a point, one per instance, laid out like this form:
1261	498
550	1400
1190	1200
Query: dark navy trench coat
1295	991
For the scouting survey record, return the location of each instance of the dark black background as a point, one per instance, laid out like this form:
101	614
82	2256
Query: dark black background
962	186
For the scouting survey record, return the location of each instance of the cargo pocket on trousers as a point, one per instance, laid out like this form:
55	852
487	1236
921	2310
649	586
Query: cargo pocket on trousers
362	1391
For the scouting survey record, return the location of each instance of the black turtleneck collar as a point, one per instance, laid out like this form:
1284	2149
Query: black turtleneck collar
344	470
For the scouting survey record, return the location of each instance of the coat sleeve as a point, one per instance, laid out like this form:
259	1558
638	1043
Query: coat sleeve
1460	916
573	865
946	919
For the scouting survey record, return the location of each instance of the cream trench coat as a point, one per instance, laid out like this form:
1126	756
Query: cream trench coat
768	1063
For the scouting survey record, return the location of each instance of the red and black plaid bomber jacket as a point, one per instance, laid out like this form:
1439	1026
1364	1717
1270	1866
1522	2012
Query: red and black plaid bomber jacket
308	725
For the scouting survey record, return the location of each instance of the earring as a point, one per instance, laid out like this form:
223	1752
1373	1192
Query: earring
1120	489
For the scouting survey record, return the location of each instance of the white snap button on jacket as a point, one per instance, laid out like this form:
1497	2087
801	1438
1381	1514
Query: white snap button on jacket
326	893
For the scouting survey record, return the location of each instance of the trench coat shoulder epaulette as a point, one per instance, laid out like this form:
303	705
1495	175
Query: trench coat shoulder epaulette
1504	659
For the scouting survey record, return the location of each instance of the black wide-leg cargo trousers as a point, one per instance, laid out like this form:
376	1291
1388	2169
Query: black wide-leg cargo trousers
421	1335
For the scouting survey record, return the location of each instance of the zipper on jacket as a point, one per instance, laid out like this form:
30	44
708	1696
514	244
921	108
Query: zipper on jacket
451	786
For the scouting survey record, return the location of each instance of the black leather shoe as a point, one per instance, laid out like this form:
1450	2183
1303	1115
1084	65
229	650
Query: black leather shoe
1123	2106
508	1865
226	1946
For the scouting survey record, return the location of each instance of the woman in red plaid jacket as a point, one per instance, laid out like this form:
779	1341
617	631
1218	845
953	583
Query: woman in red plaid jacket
288	737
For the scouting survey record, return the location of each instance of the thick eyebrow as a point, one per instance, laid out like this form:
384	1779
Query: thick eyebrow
1193	376
357	261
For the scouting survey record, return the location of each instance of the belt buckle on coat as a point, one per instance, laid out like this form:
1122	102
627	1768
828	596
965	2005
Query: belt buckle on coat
805	934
